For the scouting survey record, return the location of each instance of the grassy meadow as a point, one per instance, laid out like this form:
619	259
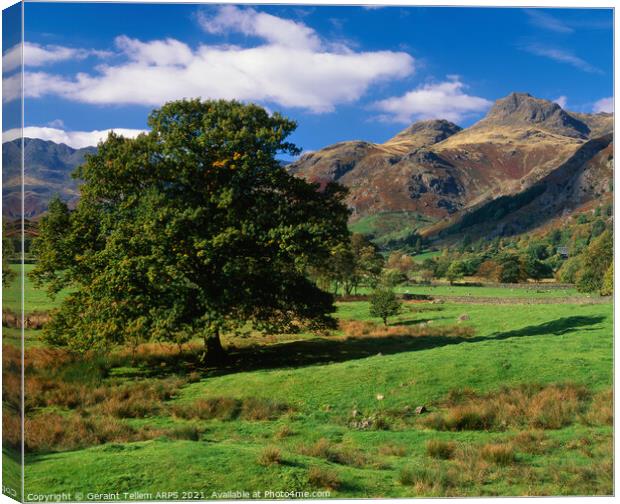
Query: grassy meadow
517	401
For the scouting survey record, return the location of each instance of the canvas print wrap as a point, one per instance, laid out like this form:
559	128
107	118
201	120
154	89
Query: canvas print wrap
278	252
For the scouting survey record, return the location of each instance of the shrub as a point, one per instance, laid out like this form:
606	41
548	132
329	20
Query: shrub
324	478
440	449
270	456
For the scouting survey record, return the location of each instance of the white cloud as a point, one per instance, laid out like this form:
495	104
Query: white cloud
56	123
604	105
444	100
36	55
561	101
75	139
562	56
545	20
293	68
273	29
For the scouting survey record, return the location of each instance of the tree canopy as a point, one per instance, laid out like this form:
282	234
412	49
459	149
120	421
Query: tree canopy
190	229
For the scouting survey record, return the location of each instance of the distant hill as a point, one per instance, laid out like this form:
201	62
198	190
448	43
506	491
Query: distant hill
441	173
524	164
48	168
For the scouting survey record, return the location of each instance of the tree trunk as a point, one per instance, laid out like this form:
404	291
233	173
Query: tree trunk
214	352
385	321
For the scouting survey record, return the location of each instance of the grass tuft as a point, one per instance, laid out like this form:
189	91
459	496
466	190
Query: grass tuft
324	478
270	455
438	449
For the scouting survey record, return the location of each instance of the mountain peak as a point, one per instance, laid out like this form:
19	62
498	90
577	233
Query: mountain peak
523	109
423	134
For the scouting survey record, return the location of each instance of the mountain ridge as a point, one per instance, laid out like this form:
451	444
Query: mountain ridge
520	141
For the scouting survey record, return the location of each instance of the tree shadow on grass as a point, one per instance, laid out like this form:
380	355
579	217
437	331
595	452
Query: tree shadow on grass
324	350
554	327
331	350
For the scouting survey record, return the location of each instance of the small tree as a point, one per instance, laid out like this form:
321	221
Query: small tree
511	270
384	304
455	271
608	282
598	257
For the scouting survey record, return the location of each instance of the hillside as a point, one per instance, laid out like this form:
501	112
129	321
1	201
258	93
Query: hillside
48	168
441	172
528	160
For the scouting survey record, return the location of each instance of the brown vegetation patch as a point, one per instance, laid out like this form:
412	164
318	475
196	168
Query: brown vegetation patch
337	453
270	455
130	400
498	453
32	320
52	431
366	329
393	450
227	408
535	406
440	449
324	478
533	441
601	410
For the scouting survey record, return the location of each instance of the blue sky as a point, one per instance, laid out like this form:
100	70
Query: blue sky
342	72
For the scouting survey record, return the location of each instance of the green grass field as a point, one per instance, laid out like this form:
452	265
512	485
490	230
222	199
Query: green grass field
34	299
324	379
534	292
390	227
429	254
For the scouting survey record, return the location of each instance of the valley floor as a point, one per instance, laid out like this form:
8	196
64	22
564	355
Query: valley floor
339	413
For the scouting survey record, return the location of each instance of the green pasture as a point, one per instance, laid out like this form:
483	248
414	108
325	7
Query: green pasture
324	378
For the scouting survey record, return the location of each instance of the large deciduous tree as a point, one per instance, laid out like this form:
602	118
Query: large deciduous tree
191	229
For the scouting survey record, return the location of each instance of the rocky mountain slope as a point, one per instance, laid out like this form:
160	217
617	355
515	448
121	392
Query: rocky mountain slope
47	167
526	162
443	172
